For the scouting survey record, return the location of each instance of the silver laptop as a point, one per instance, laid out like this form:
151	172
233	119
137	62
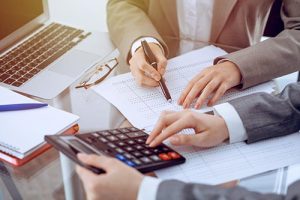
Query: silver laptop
39	57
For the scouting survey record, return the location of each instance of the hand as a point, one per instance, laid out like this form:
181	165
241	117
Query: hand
119	181
144	73
209	130
215	79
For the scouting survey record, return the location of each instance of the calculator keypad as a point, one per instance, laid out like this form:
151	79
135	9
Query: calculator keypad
128	145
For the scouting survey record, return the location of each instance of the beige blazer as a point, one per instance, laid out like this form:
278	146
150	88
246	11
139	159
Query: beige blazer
236	23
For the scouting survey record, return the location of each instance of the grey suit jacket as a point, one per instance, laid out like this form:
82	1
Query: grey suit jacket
264	116
235	23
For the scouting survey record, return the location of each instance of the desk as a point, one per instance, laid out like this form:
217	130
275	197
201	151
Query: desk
50	176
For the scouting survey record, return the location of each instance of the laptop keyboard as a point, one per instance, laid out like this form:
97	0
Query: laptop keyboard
33	55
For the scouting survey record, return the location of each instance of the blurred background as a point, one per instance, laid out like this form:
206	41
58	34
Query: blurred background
80	13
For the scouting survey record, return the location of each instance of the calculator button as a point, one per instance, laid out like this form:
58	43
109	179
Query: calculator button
155	158
165	149
114	132
128	148
133	129
122	136
119	150
121	144
111	145
148	147
146	160
137	162
137	154
147	152
141	140
130	163
174	155
124	130
108	151
157	151
104	133
131	142
112	138
127	155
102	139
162	148
95	134
89	140
139	147
136	134
120	157
164	156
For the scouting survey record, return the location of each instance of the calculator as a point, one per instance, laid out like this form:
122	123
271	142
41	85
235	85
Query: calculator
125	144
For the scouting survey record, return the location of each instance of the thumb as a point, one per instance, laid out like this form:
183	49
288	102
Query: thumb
183	139
101	162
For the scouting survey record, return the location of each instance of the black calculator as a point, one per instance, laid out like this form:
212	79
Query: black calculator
126	144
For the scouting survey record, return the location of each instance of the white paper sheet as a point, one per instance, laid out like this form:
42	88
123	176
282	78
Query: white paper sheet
142	107
235	161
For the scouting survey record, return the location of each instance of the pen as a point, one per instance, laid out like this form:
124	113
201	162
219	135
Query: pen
22	106
152	61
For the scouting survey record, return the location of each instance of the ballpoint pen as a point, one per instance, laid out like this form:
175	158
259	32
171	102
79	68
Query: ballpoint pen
152	61
22	106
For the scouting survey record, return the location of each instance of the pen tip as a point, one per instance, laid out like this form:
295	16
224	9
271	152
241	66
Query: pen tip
170	100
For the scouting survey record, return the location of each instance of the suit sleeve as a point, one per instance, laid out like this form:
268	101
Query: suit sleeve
179	190
265	116
274	57
128	21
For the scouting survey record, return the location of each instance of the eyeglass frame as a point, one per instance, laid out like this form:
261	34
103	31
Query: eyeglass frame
83	84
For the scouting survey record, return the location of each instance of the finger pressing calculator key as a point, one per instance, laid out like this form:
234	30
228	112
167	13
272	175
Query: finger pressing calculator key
125	144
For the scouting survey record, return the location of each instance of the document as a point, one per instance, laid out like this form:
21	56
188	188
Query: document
235	161
142	107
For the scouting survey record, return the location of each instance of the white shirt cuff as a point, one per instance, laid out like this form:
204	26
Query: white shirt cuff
137	44
222	61
237	131
148	188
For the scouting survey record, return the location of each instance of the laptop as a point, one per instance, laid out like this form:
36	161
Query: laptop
39	57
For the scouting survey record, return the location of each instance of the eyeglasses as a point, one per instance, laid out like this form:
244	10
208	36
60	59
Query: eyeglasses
98	74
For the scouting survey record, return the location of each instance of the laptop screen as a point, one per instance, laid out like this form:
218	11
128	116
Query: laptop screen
15	14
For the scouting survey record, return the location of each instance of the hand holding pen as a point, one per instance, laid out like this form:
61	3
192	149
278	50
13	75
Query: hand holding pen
151	59
139	66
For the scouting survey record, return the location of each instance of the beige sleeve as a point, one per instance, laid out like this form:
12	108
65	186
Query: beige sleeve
128	21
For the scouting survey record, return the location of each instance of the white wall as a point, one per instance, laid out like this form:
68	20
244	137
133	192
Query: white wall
87	14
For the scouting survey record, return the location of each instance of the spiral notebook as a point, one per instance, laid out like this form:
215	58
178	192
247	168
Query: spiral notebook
22	132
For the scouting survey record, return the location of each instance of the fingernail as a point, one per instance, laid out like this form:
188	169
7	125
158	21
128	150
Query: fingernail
179	102
152	144
148	141
196	106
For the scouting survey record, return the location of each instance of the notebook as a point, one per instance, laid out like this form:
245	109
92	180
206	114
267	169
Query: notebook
22	132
